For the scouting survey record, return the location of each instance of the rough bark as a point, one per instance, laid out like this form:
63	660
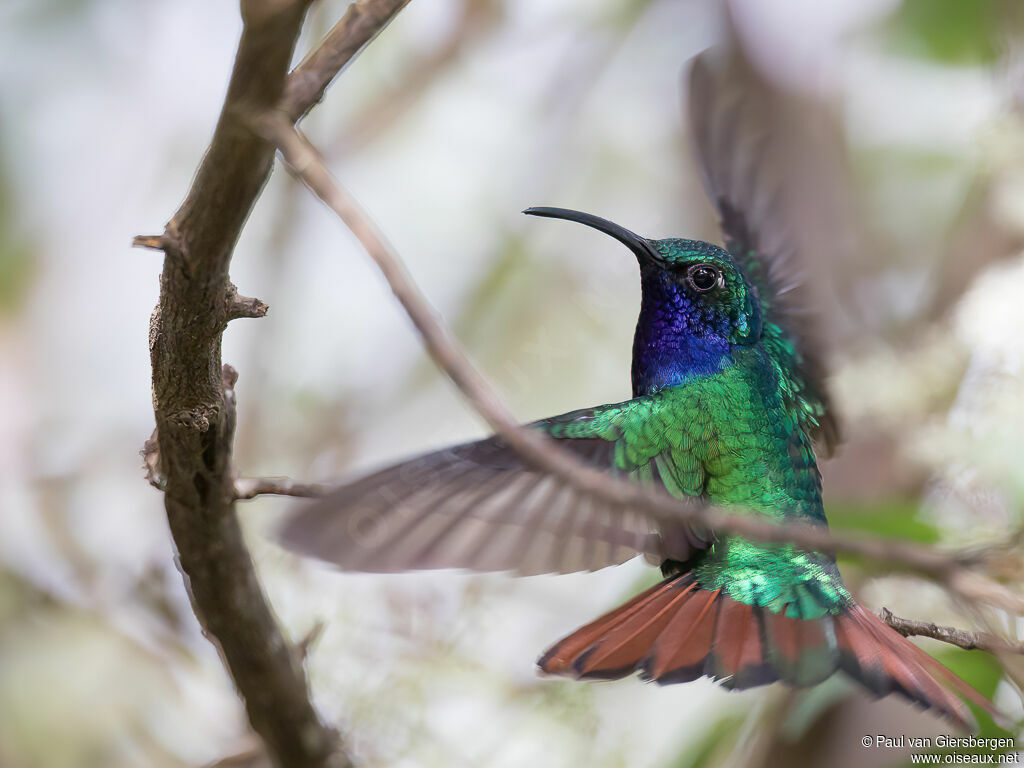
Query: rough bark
190	455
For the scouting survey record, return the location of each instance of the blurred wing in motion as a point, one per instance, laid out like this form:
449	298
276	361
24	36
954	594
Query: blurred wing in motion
479	506
735	124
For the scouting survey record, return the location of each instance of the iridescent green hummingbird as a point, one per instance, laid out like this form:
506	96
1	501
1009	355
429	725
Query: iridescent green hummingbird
728	402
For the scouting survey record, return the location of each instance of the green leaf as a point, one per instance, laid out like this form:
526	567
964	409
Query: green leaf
978	668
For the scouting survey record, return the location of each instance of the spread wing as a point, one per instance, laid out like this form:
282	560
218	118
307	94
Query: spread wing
736	127
480	506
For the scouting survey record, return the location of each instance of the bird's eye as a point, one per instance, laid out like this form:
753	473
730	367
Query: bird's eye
704	277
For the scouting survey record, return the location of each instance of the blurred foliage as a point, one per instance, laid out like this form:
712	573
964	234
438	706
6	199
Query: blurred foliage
17	253
717	741
69	680
949	31
896	518
48	14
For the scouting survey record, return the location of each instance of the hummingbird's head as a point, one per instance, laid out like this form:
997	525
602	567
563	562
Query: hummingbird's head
696	307
685	282
705	285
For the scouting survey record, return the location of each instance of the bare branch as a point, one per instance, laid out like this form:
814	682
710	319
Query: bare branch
948	567
251	487
982	641
190	457
362	22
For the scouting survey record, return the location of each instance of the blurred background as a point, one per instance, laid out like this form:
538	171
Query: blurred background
907	191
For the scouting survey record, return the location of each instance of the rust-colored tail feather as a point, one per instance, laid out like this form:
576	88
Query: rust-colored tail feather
676	632
886	662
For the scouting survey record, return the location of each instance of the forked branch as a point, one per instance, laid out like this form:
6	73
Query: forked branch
190	455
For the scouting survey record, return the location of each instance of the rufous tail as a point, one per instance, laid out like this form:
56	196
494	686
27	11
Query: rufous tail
676	632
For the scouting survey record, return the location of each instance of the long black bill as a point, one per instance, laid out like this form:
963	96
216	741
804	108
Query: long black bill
638	245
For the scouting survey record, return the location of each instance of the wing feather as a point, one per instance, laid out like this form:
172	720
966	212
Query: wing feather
735	130
480	506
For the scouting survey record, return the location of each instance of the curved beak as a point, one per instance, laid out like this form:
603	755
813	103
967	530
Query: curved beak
642	247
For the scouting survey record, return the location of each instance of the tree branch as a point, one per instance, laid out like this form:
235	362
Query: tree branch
476	19
362	22
982	641
948	567
190	455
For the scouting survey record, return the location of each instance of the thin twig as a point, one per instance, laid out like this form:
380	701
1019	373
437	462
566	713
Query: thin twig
311	638
251	487
154	242
362	22
543	452
962	638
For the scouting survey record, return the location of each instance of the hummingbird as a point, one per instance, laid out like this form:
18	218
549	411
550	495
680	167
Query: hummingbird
728	406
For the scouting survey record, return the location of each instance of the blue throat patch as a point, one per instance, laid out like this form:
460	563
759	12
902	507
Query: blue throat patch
675	338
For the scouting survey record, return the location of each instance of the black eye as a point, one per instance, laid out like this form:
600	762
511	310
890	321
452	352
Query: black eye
704	277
